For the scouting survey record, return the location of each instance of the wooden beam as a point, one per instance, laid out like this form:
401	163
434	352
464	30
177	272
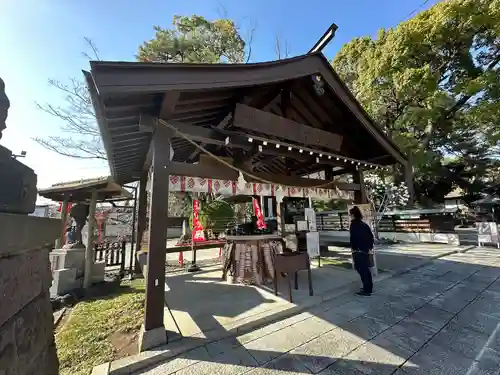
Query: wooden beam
267	123
360	196
225	121
226	173
170	100
260	100
197	133
203	171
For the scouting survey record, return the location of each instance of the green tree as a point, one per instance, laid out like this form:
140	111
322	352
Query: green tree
195	39
432	83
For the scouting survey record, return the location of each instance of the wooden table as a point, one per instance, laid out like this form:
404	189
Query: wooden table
250	259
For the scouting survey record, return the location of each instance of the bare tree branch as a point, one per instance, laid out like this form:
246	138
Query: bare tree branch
74	149
79	135
281	48
249	40
92	46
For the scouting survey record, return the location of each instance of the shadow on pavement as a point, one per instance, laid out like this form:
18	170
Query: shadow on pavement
437	319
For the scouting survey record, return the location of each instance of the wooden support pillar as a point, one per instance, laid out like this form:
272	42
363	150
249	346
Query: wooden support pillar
279	220
64	222
141	216
153	332
279	217
360	196
89	251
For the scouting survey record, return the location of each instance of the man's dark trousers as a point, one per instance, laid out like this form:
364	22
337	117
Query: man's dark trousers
362	265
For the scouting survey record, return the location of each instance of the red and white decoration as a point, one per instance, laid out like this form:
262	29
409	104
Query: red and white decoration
198	234
227	187
258	213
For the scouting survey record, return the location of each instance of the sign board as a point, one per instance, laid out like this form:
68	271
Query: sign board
302	226
311	219
487	232
312	241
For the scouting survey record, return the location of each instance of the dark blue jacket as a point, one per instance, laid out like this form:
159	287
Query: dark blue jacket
361	236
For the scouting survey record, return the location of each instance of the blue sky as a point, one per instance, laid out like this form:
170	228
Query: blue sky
42	39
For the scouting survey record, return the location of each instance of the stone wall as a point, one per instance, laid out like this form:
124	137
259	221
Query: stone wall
26	321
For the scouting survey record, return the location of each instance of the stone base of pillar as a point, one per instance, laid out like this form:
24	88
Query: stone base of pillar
152	338
67	266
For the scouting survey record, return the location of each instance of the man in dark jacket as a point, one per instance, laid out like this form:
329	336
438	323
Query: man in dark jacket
361	244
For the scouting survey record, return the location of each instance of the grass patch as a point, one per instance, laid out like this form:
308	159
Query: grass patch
86	339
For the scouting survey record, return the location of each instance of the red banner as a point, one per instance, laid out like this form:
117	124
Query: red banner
258	213
198	233
61	204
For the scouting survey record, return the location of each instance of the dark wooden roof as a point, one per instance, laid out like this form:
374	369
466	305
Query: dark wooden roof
81	190
126	95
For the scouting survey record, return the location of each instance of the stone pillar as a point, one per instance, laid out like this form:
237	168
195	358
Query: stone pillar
153	331
26	321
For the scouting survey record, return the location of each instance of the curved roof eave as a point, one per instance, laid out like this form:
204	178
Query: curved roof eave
138	77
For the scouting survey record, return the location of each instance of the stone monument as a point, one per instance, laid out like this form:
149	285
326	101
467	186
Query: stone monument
68	263
18	187
26	320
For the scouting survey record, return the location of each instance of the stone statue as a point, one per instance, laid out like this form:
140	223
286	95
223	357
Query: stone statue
78	214
4	107
18	187
70	233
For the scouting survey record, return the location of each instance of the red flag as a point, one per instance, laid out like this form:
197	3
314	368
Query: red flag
258	212
198	234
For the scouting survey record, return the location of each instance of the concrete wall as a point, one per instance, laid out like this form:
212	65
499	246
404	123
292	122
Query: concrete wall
26	320
343	237
174	233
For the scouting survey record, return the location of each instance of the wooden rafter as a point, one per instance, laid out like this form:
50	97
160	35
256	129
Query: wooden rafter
170	100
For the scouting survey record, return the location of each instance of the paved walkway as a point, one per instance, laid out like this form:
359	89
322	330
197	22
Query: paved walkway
443	318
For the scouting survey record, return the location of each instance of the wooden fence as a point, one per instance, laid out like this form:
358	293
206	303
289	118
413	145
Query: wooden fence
113	253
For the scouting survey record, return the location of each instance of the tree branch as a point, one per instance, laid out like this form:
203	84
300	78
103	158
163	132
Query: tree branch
249	41
278	48
92	46
450	113
63	147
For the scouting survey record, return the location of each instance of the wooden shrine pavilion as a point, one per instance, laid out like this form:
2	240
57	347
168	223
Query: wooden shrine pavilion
273	122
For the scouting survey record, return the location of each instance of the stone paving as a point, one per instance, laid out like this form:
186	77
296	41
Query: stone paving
443	318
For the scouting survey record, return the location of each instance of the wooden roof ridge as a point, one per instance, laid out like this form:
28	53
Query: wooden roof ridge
173	65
